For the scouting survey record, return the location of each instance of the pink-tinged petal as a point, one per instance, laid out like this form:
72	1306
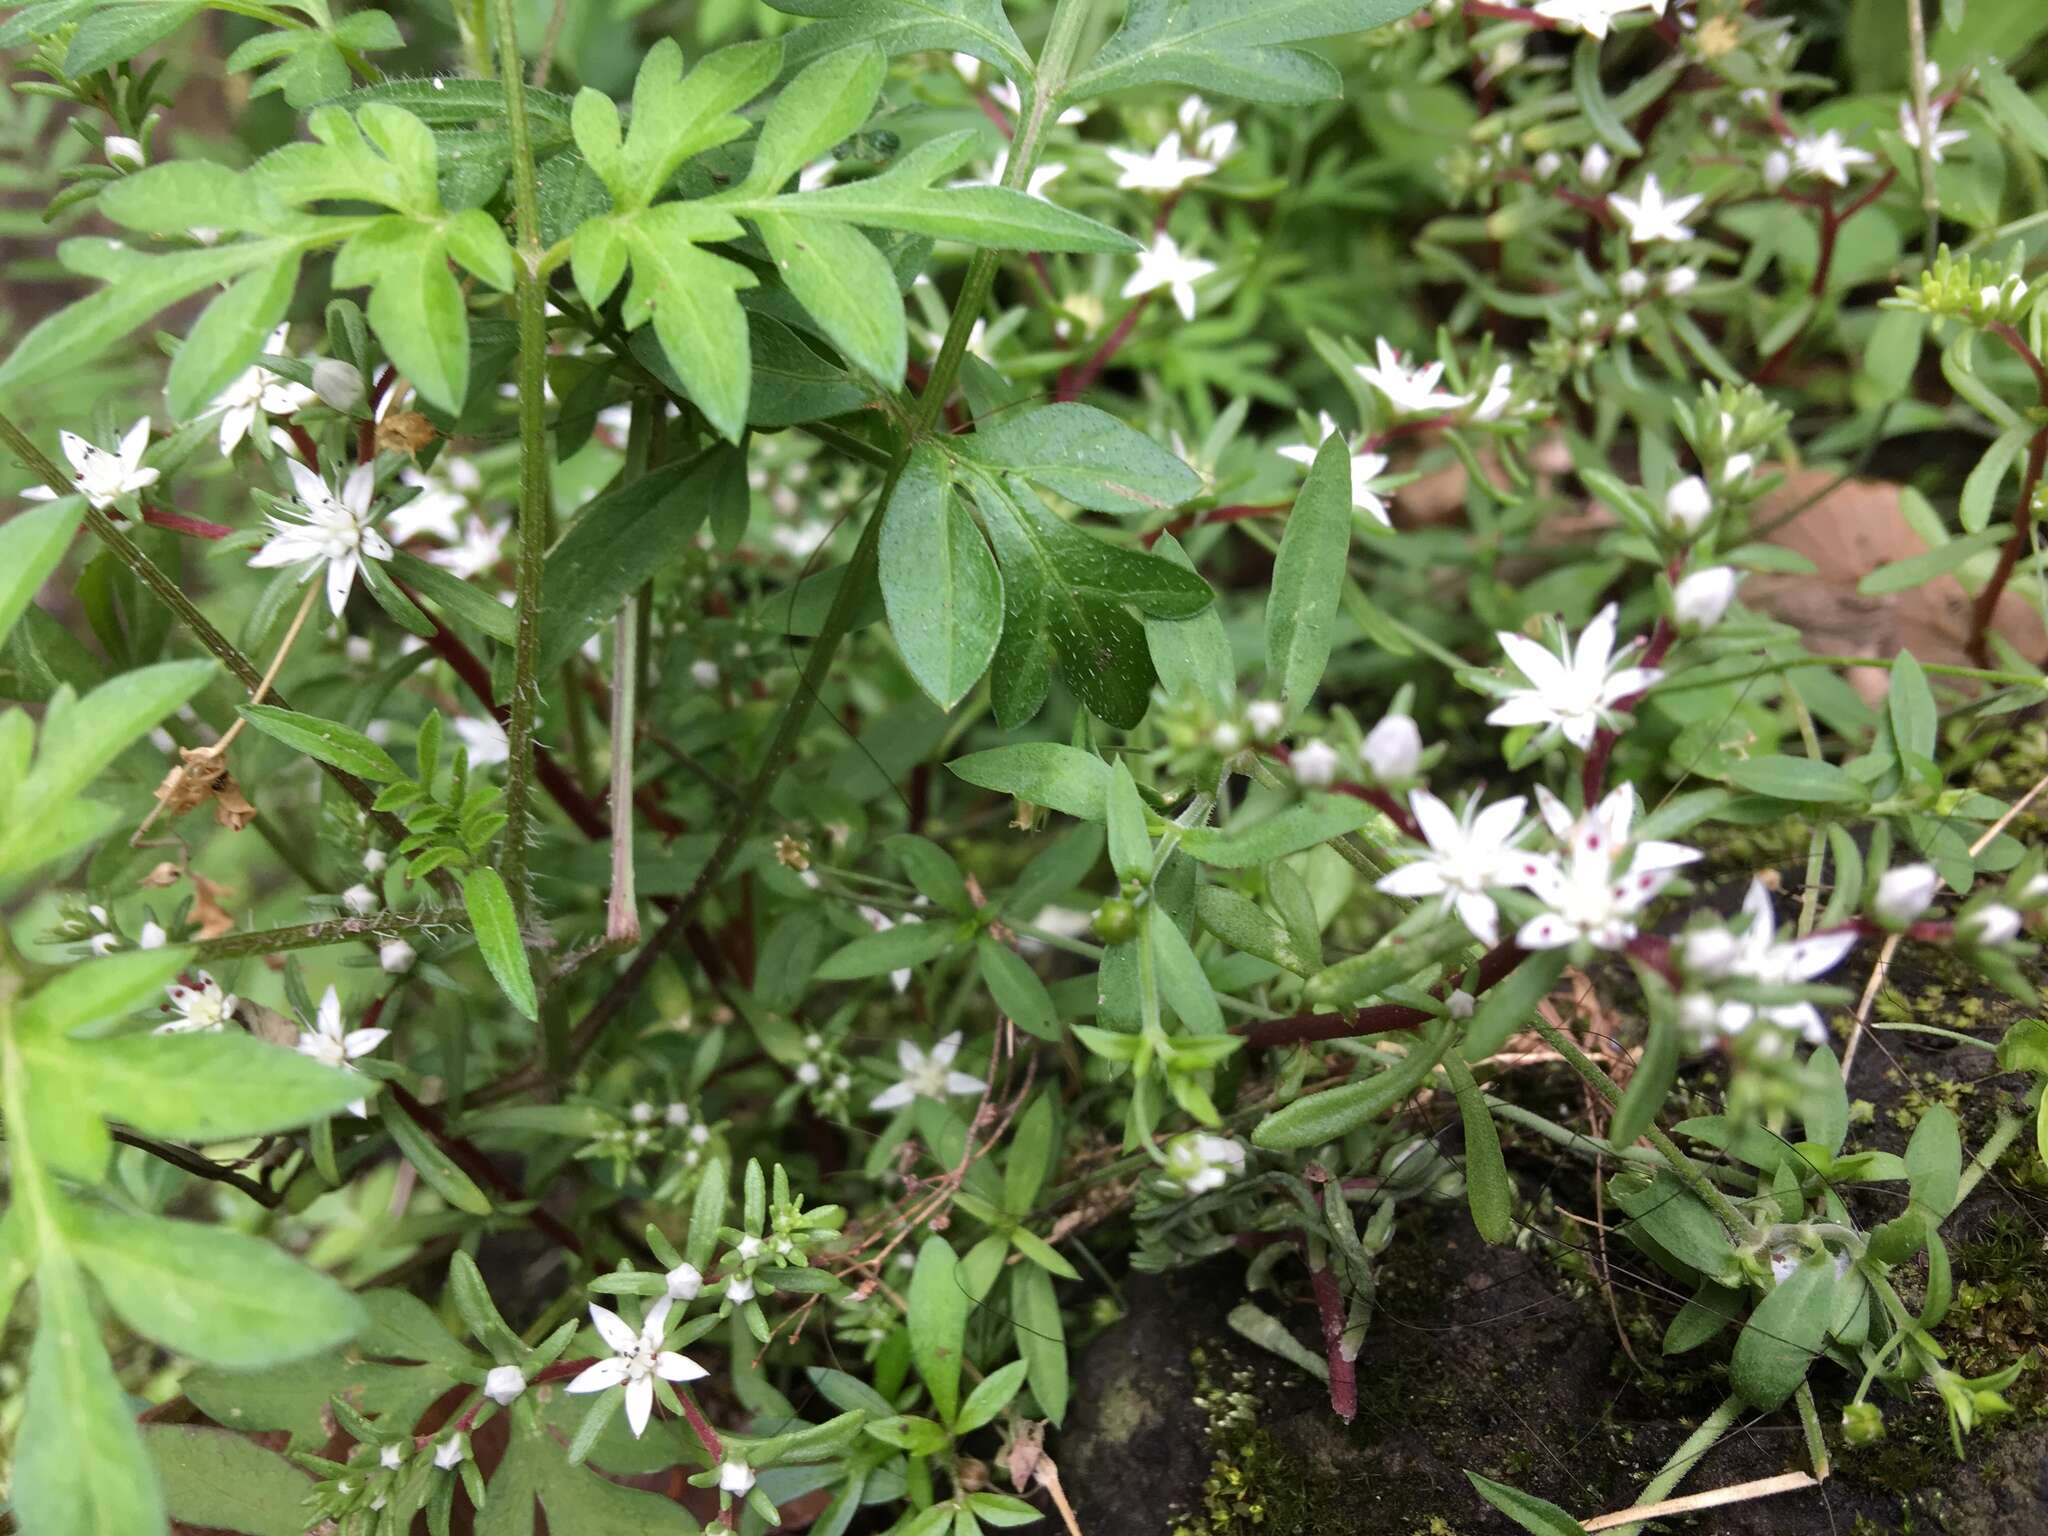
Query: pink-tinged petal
1545	932
358	487
1439	827
1535	662
639	1404
1596	643
1579	730
613	1329
670	1366
1526	708
1822	953
341	576
360	1042
943	1053
1541	876
1498	822
960	1082
1417	880
1478	913
311	488
1556	814
895	1096
596	1378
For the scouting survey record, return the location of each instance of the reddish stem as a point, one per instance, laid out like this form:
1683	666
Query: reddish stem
1078	381
471	1159
178	522
2009	556
1594	777
1231	514
1384	1018
1384	803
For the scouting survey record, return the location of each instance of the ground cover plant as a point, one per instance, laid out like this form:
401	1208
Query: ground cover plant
714	708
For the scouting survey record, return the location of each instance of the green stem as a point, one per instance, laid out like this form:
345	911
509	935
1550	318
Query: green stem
335	930
1987	1156
1592	1147
1067	19
1689	1172
1938	669
529	301
1697	1444
1816	1442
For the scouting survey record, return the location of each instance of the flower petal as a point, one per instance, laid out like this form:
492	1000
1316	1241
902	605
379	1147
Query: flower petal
670	1366
895	1096
596	1378
639	1404
613	1329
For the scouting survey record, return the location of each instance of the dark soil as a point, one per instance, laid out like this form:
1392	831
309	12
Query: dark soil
1509	1362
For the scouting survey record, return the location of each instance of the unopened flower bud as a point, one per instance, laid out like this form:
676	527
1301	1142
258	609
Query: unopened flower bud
359	899
1633	283
504	1384
1594	168
1548	164
123	153
1904	892
1460	1005
1777	169
1862	1424
1702	598
1315	764
684	1282
1227	739
396	956
1680	281
735	1477
1265	717
1993	924
1392	750
1688	504
451	1452
339	385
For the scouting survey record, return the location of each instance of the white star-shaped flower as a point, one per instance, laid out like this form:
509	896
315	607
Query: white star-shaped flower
1652	216
639	1359
1828	157
1756	955
100	476
332	1046
926	1075
481	547
1577	690
204	1007
333	532
1212	140
1199	1161
485	738
1601	881
446	490
1466	856
1365	468
1166	169
1163	266
1940	139
1411	391
1592	17
256	395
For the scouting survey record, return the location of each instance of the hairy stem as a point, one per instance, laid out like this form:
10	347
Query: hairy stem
334	930
529	301
1697	1444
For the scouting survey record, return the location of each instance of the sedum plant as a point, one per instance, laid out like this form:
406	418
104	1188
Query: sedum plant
827	651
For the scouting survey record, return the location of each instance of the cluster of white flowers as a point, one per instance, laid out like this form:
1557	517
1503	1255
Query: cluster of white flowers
1718	953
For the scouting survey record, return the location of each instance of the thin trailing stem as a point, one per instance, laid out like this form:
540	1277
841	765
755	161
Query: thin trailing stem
529	302
1689	1172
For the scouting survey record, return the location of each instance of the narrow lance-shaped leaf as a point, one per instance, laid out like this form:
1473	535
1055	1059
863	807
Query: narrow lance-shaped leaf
1308	576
